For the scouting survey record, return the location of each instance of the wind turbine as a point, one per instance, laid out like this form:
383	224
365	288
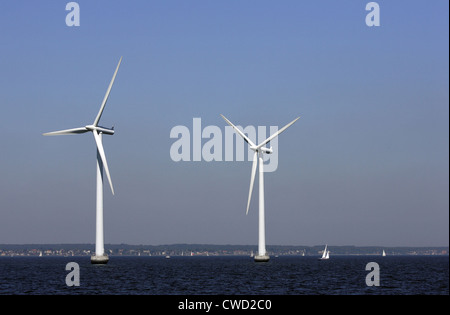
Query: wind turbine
100	256
259	150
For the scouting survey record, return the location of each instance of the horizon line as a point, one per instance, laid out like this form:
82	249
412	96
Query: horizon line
210	244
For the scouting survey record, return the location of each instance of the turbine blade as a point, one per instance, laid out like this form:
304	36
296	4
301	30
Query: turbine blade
99	115
73	131
238	131
100	149
252	178
277	133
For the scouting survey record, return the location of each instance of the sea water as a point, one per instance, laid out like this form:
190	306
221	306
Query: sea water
226	275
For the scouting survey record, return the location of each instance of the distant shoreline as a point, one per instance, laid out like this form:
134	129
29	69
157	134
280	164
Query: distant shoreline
210	250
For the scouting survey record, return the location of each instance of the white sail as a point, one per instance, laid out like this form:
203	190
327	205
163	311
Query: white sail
326	253
384	253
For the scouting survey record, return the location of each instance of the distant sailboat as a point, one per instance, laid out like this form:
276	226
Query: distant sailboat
384	253
325	254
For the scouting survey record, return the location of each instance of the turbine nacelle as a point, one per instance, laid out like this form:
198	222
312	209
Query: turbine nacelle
261	149
267	150
99	129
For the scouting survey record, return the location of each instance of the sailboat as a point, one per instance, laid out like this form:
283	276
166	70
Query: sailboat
325	254
384	253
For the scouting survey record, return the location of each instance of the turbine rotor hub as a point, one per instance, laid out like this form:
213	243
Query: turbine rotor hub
103	130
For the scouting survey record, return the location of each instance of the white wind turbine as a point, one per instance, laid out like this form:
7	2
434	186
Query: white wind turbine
100	256
259	150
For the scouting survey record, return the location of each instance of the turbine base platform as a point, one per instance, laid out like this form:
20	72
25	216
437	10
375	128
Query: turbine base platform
97	260
262	258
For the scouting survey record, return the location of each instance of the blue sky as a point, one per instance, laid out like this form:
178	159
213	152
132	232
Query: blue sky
367	164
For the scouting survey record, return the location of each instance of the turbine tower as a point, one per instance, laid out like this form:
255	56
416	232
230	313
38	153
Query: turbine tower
100	257
259	150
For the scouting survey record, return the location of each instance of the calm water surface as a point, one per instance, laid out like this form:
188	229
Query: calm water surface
284	275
